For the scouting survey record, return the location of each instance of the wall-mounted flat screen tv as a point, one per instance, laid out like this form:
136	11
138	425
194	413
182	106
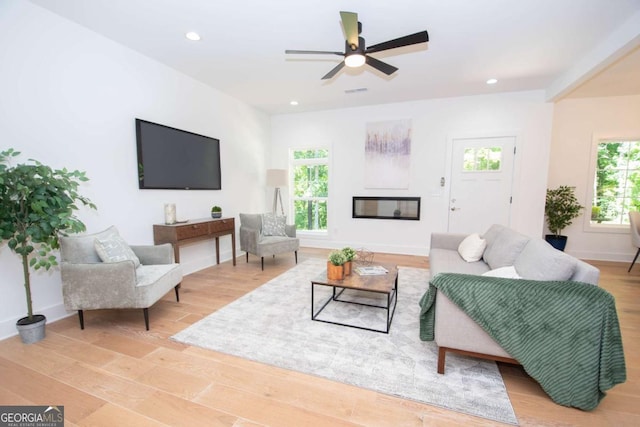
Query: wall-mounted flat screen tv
175	159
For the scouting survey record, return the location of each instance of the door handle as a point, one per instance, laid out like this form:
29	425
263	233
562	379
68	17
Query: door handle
455	209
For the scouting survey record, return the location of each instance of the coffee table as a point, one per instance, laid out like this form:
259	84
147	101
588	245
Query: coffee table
386	284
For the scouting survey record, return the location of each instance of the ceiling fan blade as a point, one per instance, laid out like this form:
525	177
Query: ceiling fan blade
421	37
334	71
350	25
323	52
381	66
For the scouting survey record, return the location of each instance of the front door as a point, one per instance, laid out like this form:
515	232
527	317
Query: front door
481	181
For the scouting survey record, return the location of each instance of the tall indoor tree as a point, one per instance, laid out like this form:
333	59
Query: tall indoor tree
37	203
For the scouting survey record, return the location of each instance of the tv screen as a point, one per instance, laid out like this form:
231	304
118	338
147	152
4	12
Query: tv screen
171	158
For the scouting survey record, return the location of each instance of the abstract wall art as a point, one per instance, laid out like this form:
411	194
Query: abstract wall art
388	154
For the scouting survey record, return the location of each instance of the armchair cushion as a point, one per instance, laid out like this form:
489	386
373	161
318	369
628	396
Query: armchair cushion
112	248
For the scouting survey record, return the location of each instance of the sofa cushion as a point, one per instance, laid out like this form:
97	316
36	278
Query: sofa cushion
448	261
273	225
541	261
508	272
472	248
503	246
112	248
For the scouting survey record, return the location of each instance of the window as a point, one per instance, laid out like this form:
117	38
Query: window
310	189
482	159
616	184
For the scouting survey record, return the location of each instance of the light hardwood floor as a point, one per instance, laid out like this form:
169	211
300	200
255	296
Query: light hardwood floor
116	373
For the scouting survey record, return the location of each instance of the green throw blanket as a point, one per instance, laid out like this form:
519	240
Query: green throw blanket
565	334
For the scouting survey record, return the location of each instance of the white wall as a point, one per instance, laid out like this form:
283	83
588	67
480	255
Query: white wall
434	122
69	98
575	123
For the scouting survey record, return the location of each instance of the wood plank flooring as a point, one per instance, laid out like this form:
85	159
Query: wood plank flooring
116	373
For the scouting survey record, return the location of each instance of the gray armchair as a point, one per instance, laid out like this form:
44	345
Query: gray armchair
262	240
100	271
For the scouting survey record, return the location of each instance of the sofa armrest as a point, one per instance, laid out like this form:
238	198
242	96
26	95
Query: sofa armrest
449	241
98	285
586	273
154	254
290	230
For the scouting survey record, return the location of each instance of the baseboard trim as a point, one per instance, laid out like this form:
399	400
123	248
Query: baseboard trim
52	313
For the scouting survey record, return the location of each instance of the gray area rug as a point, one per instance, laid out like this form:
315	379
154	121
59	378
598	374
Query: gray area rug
273	325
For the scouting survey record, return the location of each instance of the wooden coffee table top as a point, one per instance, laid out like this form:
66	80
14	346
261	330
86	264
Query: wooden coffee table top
382	283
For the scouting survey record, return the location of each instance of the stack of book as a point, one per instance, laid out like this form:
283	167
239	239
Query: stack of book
371	270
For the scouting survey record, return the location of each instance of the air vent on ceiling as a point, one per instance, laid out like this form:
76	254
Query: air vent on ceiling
362	89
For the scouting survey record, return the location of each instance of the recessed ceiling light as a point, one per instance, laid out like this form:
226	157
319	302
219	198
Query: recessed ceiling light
492	81
294	103
193	36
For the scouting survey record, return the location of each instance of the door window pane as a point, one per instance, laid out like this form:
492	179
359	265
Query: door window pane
482	159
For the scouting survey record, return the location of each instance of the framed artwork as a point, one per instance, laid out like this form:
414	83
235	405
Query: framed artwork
388	154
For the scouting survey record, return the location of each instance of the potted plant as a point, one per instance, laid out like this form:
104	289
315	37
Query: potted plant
349	254
36	203
216	212
560	209
335	265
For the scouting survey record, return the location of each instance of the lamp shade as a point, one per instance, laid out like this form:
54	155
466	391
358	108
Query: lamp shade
277	178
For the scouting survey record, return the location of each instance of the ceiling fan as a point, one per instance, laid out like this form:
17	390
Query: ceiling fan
356	53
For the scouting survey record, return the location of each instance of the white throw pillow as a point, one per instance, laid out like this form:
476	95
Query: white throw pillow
472	248
508	272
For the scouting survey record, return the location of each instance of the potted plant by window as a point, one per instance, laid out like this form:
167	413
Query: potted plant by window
36	203
560	209
216	212
335	265
349	254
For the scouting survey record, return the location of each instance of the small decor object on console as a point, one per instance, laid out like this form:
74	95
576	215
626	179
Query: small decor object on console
170	213
216	212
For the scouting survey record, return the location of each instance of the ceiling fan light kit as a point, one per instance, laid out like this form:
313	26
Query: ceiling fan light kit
354	60
355	52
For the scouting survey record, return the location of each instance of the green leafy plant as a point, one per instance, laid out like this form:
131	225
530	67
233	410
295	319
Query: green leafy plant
349	253
36	203
337	258
561	208
216	209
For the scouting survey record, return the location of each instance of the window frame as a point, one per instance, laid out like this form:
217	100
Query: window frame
292	200
588	226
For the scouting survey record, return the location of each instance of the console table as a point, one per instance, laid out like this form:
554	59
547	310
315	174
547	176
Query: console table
195	230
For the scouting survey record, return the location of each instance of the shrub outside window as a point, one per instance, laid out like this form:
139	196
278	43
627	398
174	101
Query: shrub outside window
616	185
310	189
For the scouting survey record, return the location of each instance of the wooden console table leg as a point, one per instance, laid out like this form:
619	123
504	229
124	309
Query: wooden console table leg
176	253
233	247
217	250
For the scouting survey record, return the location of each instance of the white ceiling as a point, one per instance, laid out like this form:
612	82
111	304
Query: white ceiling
567	47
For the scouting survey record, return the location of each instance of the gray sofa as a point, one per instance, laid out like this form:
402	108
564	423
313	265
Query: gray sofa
532	258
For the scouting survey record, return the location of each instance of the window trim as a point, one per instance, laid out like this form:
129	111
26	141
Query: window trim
587	226
317	161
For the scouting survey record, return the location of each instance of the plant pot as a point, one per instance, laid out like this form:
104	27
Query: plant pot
335	272
558	242
31	331
216	214
347	268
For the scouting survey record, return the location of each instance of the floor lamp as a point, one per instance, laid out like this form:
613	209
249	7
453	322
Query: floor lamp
277	178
